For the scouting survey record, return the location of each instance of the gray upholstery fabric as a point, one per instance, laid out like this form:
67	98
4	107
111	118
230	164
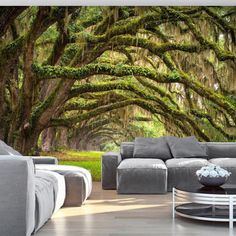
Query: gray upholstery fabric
182	172
78	182
228	164
145	176
221	149
59	186
28	199
224	162
17	196
44	194
75	190
127	150
185	147
151	148
204	147
110	162
44	160
7	150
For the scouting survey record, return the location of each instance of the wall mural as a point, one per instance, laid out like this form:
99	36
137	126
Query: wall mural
86	77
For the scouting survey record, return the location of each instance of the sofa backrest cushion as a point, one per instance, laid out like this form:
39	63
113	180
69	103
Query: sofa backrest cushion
212	149
221	149
7	150
151	148
127	150
187	147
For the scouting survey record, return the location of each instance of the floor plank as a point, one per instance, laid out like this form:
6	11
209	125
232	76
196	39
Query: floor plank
109	214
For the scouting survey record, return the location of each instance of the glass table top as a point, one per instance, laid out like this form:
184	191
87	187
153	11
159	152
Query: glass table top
226	189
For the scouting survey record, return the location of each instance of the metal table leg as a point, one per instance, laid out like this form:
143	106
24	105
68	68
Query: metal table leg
173	203
231	212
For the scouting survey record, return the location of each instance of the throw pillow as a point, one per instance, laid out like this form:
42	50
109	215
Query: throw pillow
185	147
151	148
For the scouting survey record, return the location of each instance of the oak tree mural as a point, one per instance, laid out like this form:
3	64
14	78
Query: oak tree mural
96	70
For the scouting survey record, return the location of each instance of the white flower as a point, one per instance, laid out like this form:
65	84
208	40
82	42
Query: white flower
222	173
205	173
198	172
213	173
212	170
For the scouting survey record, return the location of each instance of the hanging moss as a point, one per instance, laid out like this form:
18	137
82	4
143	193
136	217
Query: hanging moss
13	48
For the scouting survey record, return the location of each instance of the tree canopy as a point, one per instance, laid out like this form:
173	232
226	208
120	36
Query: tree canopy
104	72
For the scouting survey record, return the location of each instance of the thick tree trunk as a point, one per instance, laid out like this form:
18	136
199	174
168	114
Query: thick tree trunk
2	109
26	144
48	139
62	138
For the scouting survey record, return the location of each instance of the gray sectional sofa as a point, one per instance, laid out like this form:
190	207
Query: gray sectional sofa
152	169
33	188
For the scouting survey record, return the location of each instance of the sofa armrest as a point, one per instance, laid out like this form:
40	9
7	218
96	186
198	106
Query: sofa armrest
110	162
17	196
44	160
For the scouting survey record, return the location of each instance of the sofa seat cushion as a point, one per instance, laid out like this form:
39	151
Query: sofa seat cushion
145	176
228	164
186	162
44	201
59	187
182	172
140	163
151	148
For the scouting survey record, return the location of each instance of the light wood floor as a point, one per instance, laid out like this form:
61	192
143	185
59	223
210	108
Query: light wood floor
109	214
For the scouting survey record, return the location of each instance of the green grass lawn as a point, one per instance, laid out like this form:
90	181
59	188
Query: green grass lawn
93	166
90	160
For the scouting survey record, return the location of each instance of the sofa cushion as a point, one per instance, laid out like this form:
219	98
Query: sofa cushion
221	149
182	172
185	147
127	150
186	162
7	150
229	164
151	148
142	163
145	176
59	187
44	205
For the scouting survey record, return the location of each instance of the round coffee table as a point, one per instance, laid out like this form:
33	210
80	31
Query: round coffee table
209	204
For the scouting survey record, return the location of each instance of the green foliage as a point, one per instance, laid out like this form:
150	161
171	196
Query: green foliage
98	70
174	75
108	146
85	154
